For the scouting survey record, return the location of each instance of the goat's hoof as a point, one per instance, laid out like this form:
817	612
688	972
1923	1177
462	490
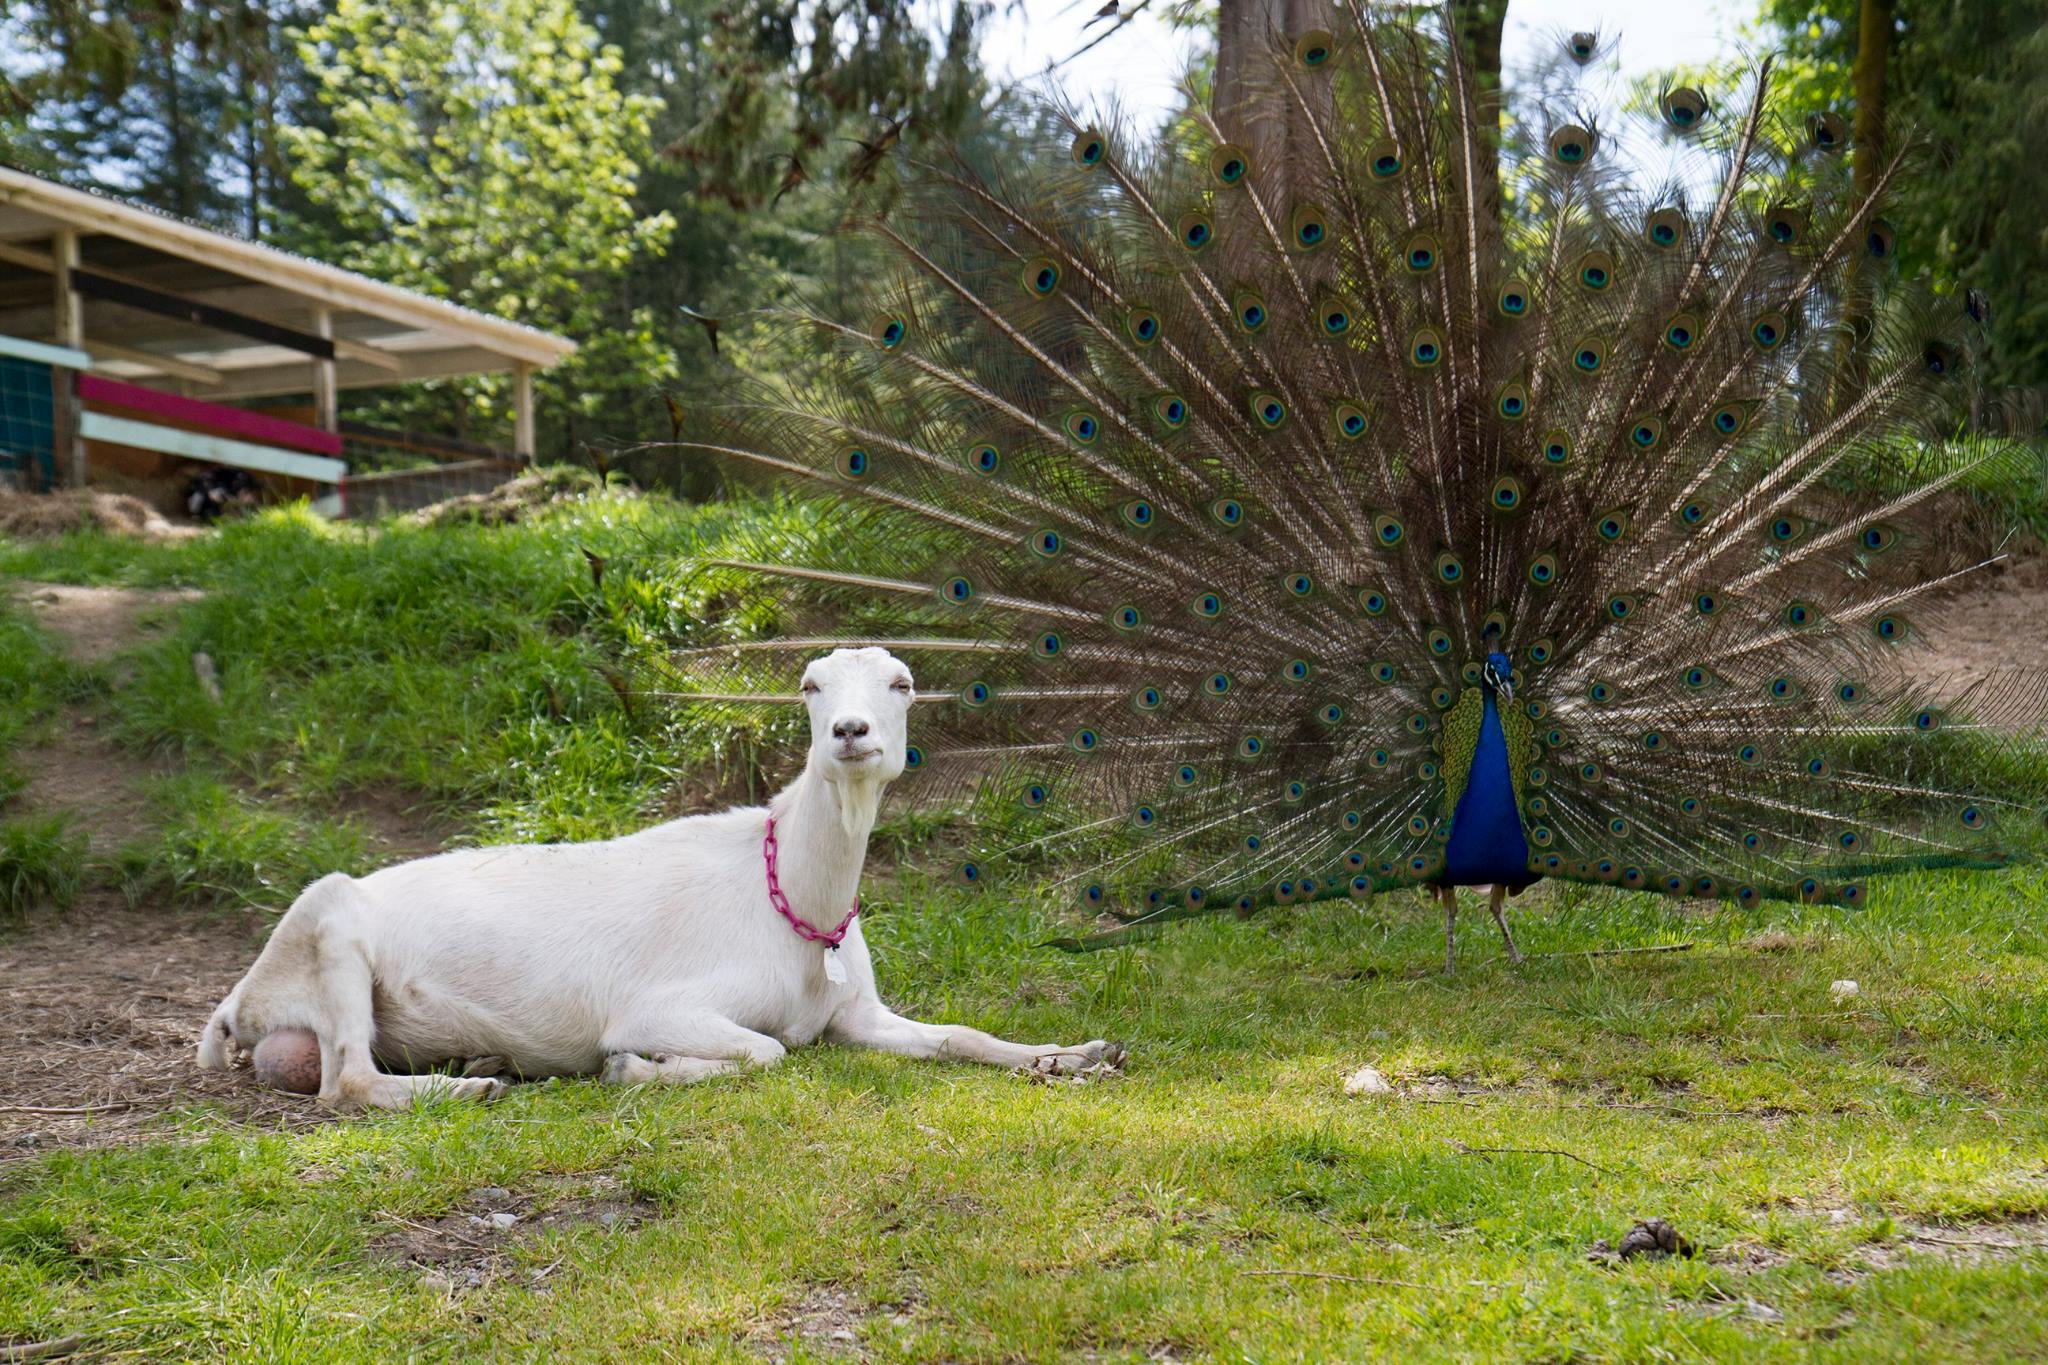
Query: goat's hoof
486	1066
626	1068
481	1089
1089	1059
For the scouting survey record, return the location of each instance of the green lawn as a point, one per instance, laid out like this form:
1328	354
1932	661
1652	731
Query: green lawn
1866	1179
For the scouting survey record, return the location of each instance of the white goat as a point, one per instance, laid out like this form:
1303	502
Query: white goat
656	957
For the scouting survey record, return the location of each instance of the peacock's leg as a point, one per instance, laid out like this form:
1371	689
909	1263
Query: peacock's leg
1498	904
1449	896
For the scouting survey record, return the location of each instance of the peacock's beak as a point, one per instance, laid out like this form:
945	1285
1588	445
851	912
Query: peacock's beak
1505	688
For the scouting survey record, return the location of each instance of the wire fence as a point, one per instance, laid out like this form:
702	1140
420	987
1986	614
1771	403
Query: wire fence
28	425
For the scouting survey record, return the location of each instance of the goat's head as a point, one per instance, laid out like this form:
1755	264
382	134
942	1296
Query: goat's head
859	701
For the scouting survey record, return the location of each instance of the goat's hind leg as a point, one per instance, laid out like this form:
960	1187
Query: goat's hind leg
334	982
682	1046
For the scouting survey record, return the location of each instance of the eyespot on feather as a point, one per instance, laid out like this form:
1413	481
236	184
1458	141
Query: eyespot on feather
890	331
1511	401
1571	146
1314	48
1308	227
1249	308
1041	276
1596	270
1683	108
1229	164
1785	224
1827	131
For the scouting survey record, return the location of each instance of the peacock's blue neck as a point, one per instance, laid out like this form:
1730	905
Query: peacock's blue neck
1487	845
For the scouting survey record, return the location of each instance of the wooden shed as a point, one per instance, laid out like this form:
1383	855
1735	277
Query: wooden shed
135	346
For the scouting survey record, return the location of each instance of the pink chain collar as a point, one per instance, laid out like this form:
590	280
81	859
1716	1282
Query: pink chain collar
804	928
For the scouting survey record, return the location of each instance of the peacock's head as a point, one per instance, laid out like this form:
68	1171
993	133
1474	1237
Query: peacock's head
859	700
1500	675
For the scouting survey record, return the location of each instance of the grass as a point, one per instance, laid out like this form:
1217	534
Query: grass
41	859
34	679
215	844
1222	1201
968	1215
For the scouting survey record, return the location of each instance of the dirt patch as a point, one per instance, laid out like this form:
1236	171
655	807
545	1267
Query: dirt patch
826	1321
400	828
103	1003
47	515
97	623
1960	1242
101	1013
90	778
78	769
472	1245
1990	623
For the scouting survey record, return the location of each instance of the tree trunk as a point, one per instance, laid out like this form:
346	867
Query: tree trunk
1245	33
1479	24
1873	52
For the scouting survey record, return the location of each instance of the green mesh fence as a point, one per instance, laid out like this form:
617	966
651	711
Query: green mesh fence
28	447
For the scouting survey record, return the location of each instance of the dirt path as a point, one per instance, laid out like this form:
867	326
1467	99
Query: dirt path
1998	620
104	1002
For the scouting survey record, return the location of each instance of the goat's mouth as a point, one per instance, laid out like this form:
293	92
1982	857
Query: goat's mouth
849	754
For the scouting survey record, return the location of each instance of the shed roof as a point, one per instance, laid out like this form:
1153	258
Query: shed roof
191	309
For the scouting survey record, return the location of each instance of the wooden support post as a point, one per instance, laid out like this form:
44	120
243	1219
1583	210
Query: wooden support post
522	410
68	442
326	402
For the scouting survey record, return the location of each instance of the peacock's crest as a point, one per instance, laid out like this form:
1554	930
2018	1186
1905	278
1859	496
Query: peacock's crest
1224	492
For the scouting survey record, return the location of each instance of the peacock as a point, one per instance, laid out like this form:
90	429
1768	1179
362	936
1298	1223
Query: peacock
1364	490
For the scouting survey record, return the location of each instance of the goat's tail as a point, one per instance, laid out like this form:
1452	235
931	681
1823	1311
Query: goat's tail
217	1046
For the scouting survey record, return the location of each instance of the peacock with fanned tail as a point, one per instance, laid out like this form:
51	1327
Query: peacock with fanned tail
1415	501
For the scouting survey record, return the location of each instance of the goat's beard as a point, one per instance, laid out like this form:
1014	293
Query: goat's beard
860	800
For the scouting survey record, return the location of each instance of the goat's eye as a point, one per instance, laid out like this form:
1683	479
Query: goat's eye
901	685
810	689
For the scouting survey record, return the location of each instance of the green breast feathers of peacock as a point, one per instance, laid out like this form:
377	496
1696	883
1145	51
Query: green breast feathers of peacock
1367	490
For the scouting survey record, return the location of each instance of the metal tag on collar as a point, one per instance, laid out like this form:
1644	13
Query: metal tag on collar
835	967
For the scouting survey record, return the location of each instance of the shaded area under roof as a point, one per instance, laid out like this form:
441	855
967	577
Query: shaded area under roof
190	310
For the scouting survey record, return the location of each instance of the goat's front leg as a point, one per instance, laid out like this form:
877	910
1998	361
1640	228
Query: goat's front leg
870	1023
683	1046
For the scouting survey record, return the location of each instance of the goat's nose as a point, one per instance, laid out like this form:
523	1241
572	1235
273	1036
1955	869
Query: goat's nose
849	727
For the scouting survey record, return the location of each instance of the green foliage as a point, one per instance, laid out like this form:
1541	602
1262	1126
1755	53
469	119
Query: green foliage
790	77
471	667
41	860
216	844
484	153
174	104
33	679
1972	82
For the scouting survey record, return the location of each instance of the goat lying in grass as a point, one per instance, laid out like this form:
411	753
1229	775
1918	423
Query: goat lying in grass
662	956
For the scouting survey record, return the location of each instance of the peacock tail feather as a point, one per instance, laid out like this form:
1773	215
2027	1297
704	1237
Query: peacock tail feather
1196	480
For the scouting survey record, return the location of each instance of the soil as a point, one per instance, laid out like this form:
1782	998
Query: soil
1995	620
104	1001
